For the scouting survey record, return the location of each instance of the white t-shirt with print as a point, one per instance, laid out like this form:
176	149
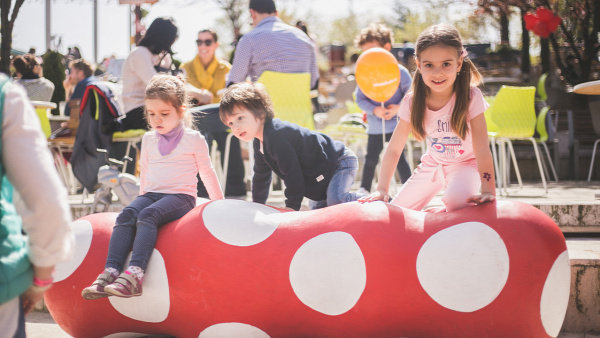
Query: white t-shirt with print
443	145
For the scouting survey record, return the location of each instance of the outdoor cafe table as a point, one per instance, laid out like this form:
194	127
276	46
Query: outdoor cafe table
588	88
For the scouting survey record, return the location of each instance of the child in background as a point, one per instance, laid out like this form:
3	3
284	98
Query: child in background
381	120
310	164
446	109
171	157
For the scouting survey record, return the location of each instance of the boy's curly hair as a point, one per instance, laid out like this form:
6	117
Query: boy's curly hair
377	32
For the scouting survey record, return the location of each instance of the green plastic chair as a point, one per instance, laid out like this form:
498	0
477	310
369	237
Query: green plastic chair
513	113
290	94
541	87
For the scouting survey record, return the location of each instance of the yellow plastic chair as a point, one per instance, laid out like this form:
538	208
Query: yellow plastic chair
513	113
42	108
132	137
290	94
541	87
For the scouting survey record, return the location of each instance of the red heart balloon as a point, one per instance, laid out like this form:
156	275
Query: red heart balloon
542	23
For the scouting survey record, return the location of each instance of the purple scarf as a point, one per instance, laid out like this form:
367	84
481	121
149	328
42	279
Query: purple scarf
167	142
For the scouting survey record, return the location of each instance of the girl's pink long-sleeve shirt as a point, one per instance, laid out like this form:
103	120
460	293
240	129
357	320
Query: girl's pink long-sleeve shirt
175	173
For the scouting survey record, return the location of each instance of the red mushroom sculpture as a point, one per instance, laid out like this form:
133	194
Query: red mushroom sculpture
232	268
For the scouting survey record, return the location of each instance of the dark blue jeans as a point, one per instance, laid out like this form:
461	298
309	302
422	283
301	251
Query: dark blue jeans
374	148
338	190
137	226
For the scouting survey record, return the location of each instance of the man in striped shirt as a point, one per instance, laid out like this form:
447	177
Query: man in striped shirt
272	45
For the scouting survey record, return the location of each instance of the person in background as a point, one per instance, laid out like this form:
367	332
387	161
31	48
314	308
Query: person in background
408	54
207	72
301	25
27	265
80	74
446	108
31	77
381	119
153	54
172	155
75	53
310	164
272	45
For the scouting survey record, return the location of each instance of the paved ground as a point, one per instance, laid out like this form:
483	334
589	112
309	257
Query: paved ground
41	324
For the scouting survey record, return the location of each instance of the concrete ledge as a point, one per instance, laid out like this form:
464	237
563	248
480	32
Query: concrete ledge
583	311
573	218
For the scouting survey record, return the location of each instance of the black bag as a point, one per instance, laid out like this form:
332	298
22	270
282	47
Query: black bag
171	69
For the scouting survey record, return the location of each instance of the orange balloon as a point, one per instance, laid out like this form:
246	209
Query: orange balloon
377	74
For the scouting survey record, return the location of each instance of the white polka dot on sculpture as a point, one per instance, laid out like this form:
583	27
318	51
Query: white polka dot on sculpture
555	295
328	273
126	335
227	330
240	223
83	232
154	303
464	267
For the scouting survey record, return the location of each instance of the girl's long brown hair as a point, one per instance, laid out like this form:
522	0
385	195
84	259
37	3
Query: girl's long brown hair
468	76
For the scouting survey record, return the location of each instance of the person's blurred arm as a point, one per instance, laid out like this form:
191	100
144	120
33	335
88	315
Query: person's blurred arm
203	96
68	88
42	198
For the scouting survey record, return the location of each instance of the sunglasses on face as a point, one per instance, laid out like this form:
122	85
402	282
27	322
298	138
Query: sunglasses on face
207	42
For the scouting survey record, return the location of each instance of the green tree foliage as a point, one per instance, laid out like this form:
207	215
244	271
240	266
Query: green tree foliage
414	25
344	30
54	70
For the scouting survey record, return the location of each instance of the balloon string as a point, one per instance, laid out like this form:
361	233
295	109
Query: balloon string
383	125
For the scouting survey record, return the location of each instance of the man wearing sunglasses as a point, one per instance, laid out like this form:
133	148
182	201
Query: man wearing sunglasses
272	45
207	72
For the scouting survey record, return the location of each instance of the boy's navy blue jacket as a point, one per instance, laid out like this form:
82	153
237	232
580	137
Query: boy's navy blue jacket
305	160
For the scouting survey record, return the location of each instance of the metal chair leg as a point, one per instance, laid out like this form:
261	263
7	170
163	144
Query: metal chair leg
550	161
496	164
539	161
226	161
593	157
514	161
